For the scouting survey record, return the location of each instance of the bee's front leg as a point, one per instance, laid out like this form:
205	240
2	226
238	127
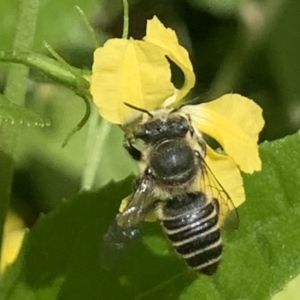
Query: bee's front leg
133	152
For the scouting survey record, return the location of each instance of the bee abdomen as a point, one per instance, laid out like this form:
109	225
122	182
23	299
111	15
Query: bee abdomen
191	224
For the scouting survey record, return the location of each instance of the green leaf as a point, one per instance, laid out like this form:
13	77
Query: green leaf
16	114
60	258
290	292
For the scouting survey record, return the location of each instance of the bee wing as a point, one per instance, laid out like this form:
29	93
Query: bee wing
125	227
138	206
228	216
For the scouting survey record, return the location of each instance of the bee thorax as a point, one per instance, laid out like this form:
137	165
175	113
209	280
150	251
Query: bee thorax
173	162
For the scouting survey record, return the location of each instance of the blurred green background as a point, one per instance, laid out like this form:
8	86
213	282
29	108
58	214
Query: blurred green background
248	47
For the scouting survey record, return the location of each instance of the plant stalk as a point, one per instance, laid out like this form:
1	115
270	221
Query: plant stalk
15	91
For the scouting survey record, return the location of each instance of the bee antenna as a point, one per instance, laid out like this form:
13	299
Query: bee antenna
139	109
193	101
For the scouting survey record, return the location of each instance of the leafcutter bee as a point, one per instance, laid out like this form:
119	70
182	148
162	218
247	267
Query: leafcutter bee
177	185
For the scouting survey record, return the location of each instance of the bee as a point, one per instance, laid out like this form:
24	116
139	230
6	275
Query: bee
177	185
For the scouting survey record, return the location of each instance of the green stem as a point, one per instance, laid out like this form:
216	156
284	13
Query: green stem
70	77
97	136
82	122
125	20
99	130
89	27
15	91
60	71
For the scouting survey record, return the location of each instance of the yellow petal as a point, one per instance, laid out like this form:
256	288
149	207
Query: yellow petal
12	222
236	143
227	174
242	111
129	71
13	235
11	246
166	39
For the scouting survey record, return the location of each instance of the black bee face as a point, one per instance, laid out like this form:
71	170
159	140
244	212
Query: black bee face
158	129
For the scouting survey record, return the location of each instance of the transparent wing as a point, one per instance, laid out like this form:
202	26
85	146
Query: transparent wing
125	227
138	206
228	216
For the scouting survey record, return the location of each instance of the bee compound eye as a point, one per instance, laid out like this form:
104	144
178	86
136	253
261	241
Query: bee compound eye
197	154
149	172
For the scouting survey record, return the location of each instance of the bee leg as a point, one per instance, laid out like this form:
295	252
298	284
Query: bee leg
158	209
133	152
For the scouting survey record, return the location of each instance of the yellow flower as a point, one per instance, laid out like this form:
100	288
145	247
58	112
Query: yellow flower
13	235
138	73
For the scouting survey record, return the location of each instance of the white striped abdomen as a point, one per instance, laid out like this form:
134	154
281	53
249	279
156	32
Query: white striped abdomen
191	224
